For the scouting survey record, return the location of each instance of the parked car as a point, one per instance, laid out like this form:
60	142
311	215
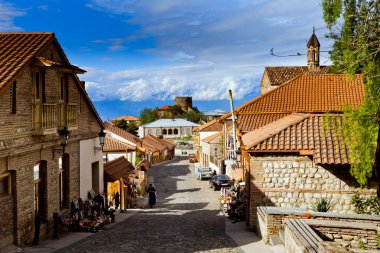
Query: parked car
203	172
193	158
219	181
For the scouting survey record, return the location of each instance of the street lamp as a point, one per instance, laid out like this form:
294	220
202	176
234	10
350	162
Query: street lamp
64	134
102	136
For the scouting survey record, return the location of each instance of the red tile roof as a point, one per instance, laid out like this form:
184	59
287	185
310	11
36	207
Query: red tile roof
301	132
280	75
306	93
213	126
126	118
116	169
111	144
212	137
168	143
19	49
151	141
164	108
122	133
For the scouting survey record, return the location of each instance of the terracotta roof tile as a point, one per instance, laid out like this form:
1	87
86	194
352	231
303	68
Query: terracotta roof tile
18	49
310	133
167	142
126	118
213	126
280	75
306	93
122	133
212	137
153	142
116	169
111	144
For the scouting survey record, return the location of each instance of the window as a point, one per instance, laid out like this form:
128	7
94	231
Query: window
63	165
158	132
39	85
12	91
188	131
164	132
176	131
5	184
95	176
64	88
149	131
60	169
40	190
170	131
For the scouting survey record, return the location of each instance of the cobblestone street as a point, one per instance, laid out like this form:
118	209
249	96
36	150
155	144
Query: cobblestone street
185	219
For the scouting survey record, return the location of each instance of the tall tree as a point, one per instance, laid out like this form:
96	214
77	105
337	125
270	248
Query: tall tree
148	115
356	50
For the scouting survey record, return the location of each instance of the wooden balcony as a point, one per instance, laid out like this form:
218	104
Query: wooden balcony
48	118
44	118
68	115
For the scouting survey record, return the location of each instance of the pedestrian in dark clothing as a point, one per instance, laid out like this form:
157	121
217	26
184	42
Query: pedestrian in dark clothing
117	200
152	198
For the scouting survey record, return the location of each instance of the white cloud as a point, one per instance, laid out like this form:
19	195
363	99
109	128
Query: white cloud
208	47
7	14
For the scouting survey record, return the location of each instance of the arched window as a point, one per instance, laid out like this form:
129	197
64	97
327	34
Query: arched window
164	132
176	131
170	131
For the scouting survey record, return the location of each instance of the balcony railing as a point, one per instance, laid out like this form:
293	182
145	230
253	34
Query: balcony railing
46	120
71	115
68	115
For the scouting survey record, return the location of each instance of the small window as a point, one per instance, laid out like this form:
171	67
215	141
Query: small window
149	131
158	132
5	184
64	87
175	131
164	132
13	96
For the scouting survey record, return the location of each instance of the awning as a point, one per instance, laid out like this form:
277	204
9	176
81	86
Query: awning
116	169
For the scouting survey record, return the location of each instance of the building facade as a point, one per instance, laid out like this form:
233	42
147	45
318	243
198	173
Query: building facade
168	128
45	118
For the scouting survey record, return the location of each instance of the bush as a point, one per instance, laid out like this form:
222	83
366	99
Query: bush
369	206
322	205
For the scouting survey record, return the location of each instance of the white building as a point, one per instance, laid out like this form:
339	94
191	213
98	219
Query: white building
168	128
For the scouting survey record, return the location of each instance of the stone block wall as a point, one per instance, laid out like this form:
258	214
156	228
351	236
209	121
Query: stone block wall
349	237
295	181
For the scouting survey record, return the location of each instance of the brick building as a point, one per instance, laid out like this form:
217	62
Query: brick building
40	98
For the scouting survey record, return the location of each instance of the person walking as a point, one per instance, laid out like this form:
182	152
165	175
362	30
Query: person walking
152	197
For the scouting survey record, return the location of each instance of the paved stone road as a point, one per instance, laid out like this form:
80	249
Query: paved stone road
185	219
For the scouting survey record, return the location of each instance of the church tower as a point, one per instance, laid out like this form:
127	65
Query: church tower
313	52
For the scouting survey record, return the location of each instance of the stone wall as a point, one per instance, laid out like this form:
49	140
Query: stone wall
347	234
295	181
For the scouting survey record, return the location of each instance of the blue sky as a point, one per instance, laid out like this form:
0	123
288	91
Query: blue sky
143	53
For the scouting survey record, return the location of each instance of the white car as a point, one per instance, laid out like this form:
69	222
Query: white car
203	172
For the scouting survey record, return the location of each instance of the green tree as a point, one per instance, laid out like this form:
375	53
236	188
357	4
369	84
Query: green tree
148	115
356	50
130	127
194	115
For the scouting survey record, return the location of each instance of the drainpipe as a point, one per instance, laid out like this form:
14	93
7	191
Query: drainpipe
233	120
